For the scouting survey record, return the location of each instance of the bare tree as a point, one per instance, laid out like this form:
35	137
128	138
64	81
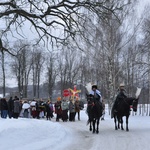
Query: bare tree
3	73
21	67
37	65
69	64
47	17
51	72
145	62
106	45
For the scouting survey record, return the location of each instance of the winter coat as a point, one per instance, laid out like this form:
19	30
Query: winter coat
121	95
4	105
25	106
48	109
64	105
71	107
97	95
51	107
81	105
10	105
33	103
58	109
77	106
16	106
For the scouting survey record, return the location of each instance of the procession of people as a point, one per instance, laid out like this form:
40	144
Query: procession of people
64	109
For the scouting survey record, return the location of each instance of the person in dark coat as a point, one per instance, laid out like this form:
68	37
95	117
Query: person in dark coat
96	93
58	109
52	109
121	95
10	107
17	106
37	109
48	111
4	108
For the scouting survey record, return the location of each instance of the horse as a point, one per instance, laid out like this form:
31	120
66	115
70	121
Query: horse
94	111
123	109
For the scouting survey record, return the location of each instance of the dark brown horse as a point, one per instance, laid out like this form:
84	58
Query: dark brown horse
94	110
123	109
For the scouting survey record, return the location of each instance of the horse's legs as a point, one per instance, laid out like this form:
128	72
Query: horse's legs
127	117
121	121
118	118
94	121
90	125
97	129
115	120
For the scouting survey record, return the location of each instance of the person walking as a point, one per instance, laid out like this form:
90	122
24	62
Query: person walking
77	107
65	107
33	109
26	109
58	109
10	107
71	110
4	108
48	111
52	109
16	108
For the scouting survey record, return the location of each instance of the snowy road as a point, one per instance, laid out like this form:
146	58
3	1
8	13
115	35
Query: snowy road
108	138
34	134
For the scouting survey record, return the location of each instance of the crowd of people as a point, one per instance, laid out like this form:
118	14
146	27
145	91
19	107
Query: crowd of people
64	109
10	108
67	110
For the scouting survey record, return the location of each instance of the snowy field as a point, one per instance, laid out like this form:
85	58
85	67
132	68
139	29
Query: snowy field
33	134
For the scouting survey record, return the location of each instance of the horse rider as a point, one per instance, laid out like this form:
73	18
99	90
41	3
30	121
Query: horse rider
121	95
96	93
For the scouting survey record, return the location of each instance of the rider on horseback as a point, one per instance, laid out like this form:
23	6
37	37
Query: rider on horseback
121	95
94	105
96	93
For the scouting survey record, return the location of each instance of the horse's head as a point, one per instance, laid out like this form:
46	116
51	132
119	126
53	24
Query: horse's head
89	97
134	104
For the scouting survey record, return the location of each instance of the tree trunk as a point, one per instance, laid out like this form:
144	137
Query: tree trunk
3	70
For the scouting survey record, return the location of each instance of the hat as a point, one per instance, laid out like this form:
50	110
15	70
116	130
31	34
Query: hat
94	86
58	98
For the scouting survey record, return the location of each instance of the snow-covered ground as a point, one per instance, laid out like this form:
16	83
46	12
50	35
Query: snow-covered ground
33	134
